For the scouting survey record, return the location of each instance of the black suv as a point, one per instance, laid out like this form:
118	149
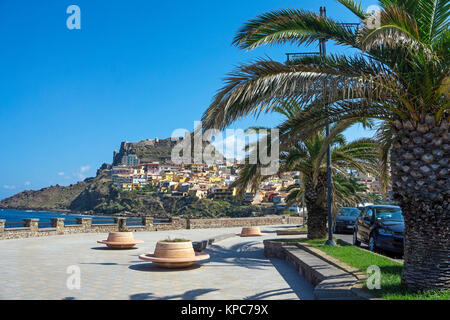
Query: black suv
345	219
380	227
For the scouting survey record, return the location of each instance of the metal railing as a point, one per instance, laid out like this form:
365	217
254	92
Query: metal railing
102	220
14	223
157	220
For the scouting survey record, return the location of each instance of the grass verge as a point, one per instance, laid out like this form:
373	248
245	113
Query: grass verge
391	271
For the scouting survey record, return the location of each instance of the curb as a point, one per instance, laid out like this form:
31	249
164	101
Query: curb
330	282
201	245
375	253
361	277
290	232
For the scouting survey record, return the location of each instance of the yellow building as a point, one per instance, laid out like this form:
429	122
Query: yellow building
214	179
169	176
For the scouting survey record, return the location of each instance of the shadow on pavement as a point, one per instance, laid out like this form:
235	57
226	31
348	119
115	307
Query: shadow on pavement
150	267
188	295
270	293
244	254
299	285
110	249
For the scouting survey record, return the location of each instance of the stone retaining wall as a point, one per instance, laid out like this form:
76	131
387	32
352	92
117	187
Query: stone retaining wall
85	225
330	282
242	222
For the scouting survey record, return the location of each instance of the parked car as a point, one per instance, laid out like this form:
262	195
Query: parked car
380	227
296	209
345	219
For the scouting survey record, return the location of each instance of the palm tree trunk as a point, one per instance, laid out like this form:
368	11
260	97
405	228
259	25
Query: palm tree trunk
316	204
421	185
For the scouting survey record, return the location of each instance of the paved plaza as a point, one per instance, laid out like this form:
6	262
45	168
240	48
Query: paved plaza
36	268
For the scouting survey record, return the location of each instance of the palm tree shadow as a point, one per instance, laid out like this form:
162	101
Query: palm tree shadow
188	295
297	284
270	293
244	254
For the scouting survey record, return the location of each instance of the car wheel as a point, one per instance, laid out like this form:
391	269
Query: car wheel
372	243
356	242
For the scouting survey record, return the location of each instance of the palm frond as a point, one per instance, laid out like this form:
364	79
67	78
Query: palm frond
433	18
266	84
291	26
354	7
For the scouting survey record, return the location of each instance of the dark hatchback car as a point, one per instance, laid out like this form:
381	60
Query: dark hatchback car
345	220
380	227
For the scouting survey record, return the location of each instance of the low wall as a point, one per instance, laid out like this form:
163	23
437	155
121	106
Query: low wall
330	282
242	222
84	225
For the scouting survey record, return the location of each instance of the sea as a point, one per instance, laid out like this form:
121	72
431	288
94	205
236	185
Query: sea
44	217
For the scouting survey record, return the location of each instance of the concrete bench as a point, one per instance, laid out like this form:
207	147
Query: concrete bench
330	282
199	246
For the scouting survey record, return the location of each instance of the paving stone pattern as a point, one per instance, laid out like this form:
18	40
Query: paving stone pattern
36	268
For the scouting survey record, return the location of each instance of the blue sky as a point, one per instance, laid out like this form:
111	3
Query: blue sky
135	70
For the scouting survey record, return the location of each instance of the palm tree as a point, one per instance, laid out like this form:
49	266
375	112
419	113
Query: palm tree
399	75
308	157
349	192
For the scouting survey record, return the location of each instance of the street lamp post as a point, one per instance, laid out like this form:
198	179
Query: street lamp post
322	52
330	241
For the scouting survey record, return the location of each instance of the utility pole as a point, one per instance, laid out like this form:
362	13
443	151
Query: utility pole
330	241
322	52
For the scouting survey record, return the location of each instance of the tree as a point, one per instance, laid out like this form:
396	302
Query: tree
399	75
308	157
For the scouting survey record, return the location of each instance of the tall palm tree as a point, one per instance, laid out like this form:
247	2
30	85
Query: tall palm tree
308	157
349	192
399	75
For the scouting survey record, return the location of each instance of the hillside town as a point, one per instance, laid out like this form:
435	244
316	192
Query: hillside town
214	182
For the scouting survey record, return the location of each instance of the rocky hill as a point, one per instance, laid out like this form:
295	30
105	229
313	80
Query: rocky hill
54	198
99	196
151	150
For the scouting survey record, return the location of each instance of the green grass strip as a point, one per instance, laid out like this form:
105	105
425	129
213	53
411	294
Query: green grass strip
391	271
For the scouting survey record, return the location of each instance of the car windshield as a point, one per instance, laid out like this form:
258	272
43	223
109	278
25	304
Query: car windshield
348	212
388	214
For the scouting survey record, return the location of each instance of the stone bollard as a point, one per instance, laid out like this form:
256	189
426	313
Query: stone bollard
175	222
32	223
121	223
86	223
2	227
58	223
188	223
179	223
147	222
